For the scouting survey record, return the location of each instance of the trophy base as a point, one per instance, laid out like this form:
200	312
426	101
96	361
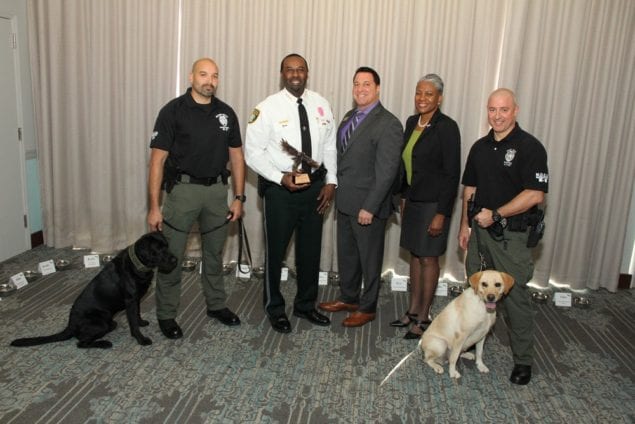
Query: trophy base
299	179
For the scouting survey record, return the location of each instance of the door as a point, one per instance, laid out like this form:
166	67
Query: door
14	236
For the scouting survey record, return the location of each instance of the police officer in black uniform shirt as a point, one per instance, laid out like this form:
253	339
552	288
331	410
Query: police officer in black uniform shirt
194	137
506	176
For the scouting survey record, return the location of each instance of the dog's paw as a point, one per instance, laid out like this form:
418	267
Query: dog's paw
436	367
468	355
481	367
455	374
143	323
98	344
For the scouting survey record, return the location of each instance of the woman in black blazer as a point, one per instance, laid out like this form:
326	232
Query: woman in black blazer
431	170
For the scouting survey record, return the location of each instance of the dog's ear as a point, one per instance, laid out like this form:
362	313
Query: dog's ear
474	280
508	282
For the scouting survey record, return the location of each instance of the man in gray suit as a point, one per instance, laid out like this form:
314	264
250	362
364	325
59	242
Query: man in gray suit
369	151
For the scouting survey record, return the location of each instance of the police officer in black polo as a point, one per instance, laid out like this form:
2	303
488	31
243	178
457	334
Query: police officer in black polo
506	177
194	137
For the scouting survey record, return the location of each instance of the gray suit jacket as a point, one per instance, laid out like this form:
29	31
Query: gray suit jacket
367	169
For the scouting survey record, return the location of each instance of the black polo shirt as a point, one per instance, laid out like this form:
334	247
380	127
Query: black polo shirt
197	136
500	170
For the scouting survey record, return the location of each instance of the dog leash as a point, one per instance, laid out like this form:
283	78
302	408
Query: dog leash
483	265
165	221
242	239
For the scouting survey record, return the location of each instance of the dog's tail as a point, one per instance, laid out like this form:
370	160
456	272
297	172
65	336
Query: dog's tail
397	366
65	334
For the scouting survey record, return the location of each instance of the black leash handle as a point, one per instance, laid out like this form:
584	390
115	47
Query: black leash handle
242	234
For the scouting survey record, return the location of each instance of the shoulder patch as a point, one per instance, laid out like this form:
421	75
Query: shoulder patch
254	116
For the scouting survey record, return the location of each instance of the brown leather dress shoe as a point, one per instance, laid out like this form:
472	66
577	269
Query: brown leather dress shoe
357	319
337	306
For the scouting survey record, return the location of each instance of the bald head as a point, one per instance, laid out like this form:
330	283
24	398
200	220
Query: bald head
203	61
204	80
501	112
504	92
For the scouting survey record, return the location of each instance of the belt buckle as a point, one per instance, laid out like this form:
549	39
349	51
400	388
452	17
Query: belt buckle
185	178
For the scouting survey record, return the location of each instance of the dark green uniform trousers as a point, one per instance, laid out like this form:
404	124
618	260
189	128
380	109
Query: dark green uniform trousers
184	205
510	255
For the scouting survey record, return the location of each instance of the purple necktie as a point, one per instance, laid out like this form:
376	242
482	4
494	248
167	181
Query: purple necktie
350	129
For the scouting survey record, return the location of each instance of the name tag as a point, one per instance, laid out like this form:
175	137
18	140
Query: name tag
243	271
562	299
46	267
91	261
399	283
284	274
442	289
323	278
19	280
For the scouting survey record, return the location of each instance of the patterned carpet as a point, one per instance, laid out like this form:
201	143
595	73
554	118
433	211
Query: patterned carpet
584	368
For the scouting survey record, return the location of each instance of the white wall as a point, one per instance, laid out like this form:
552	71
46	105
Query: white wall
17	9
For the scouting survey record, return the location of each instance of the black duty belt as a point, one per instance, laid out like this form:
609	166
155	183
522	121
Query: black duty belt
518	223
188	179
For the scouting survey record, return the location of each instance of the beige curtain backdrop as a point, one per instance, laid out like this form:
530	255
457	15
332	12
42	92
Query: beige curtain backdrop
571	63
101	70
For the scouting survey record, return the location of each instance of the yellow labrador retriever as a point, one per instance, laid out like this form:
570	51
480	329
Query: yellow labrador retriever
464	322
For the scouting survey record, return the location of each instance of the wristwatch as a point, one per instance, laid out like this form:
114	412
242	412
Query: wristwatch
241	197
496	217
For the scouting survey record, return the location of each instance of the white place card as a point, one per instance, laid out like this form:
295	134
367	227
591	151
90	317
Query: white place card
46	267
323	278
243	271
91	261
562	299
399	283
442	289
284	273
19	280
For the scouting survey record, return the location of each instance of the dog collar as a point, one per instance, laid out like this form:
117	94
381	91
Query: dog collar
135	260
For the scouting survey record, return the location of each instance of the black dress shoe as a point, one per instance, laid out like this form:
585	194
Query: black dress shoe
399	323
280	323
410	335
521	374
225	316
313	316
423	326
170	329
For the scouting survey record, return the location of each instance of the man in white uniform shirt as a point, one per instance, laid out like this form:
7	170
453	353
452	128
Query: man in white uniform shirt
304	120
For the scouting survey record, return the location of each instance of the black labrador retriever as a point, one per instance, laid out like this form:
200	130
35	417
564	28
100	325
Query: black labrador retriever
119	285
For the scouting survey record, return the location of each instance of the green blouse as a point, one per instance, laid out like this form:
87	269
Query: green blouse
406	155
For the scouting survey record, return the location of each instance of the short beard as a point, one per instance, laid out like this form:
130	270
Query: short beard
205	94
